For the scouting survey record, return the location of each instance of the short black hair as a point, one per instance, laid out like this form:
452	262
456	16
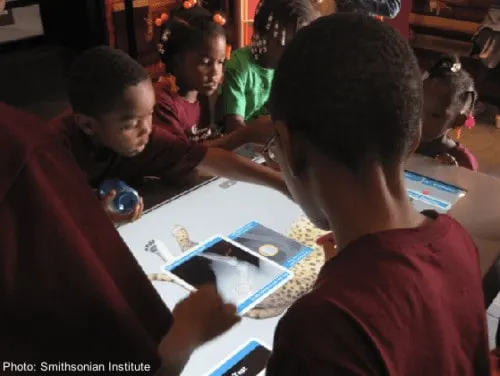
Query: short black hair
99	77
448	70
186	30
286	13
352	86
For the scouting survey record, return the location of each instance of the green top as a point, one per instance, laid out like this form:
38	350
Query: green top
246	86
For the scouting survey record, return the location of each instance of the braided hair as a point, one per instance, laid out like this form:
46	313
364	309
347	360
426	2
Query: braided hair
278	16
448	70
186	29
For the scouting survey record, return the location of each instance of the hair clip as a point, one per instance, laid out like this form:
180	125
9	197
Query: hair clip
456	67
188	4
161	20
161	50
269	21
470	122
169	83
283	38
165	35
219	19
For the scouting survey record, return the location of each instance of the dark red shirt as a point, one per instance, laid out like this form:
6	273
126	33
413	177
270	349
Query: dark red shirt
70	288
464	157
166	156
179	116
402	21
398	303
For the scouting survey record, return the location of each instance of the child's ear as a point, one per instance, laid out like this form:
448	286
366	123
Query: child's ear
86	123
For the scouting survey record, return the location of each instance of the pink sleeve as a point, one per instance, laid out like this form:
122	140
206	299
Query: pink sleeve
465	158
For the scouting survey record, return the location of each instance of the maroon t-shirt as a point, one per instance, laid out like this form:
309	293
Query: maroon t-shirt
166	156
70	289
398	303
464	157
179	116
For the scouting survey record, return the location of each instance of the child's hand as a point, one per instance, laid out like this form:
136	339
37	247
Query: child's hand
261	129
199	318
270	161
121	218
329	246
446	158
203	315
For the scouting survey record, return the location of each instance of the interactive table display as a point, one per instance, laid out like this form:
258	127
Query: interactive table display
254	217
251	241
430	194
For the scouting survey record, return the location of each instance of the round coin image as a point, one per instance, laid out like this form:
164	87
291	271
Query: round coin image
268	250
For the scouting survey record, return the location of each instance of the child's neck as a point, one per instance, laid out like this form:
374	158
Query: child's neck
377	203
265	62
190	96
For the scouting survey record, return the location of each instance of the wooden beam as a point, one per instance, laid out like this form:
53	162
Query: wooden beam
440	44
443	23
119	6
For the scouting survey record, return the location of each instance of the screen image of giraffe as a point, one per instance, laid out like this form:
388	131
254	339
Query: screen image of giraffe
271	244
242	277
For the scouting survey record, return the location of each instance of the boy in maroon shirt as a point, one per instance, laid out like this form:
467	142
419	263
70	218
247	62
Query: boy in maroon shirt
403	294
111	132
71	292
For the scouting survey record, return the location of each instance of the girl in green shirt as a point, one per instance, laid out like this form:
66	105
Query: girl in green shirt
249	73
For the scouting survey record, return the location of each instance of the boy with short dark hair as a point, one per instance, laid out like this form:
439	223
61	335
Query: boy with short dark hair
111	134
403	295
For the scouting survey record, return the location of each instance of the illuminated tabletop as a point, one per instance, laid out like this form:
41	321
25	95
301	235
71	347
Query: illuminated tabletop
220	207
212	209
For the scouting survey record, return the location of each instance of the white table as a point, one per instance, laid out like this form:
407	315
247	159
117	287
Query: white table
207	211
215	209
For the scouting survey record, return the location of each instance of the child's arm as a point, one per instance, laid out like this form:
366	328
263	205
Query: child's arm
256	132
233	97
173	158
218	162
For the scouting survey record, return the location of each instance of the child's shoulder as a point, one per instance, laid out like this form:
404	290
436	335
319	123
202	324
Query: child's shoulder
165	98
241	60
